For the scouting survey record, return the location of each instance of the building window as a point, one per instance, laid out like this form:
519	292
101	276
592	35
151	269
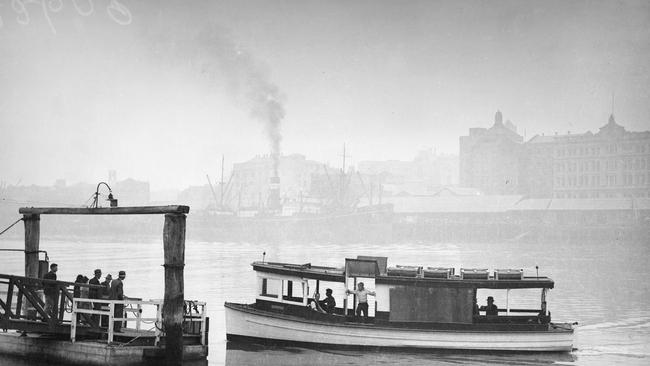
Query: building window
612	149
611	180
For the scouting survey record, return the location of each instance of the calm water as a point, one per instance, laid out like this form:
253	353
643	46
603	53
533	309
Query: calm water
603	287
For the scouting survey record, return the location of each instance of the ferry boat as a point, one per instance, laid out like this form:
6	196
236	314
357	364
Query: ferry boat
414	307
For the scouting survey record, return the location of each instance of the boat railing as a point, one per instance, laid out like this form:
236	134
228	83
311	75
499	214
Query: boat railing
194	319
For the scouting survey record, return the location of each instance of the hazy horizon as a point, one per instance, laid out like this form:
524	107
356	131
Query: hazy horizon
159	90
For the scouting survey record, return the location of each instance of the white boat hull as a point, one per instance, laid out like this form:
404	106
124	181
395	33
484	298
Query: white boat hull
289	329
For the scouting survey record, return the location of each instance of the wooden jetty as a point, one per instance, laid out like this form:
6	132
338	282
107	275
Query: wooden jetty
179	327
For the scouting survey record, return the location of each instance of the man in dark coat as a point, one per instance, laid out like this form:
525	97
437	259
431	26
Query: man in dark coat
105	294
117	293
491	309
51	291
96	293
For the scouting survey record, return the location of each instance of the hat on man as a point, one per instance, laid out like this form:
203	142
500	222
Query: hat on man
122	273
490	298
98	271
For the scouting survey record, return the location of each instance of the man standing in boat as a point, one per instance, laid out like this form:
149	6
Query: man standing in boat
362	296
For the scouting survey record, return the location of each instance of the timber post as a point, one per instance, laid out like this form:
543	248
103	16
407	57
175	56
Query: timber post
32	239
174	253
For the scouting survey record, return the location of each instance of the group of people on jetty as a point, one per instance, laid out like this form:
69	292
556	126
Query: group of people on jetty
111	289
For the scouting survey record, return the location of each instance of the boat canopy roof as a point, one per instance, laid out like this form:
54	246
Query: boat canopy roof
408	276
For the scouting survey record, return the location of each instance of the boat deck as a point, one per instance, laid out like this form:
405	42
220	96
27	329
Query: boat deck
403	277
499	324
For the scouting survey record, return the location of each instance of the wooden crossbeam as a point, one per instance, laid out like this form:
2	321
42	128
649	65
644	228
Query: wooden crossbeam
10	294
7	310
31	297
137	210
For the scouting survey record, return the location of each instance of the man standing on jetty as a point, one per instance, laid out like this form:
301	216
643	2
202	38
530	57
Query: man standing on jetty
95	292
51	291
117	293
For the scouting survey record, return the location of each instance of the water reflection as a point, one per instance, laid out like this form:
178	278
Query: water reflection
602	286
244	353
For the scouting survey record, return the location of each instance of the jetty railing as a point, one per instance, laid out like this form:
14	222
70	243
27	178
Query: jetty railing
24	300
193	318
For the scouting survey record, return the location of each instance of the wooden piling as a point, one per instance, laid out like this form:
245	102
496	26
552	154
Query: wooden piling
174	252
32	239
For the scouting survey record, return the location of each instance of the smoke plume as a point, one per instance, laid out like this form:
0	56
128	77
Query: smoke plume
211	55
245	79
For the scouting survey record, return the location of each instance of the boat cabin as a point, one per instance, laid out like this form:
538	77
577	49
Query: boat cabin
403	295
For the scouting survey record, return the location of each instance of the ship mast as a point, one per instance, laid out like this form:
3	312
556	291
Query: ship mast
221	183
341	197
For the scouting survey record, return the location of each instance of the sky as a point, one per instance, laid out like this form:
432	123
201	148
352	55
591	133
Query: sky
160	90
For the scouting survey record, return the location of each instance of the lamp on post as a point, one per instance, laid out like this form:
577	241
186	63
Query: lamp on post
111	199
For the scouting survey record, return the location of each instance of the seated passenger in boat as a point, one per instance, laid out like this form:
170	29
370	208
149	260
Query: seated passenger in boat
329	303
491	309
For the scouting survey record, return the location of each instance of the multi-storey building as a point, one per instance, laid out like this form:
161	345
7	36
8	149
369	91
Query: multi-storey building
427	173
490	158
610	163
251	184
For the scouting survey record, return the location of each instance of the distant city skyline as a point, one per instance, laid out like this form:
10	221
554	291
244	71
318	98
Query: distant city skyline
159	90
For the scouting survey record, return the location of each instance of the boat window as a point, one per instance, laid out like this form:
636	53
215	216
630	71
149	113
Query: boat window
292	291
271	287
516	302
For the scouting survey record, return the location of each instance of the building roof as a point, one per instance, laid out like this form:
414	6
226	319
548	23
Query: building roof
452	204
504	203
540	139
582	204
533	204
610	129
457	191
